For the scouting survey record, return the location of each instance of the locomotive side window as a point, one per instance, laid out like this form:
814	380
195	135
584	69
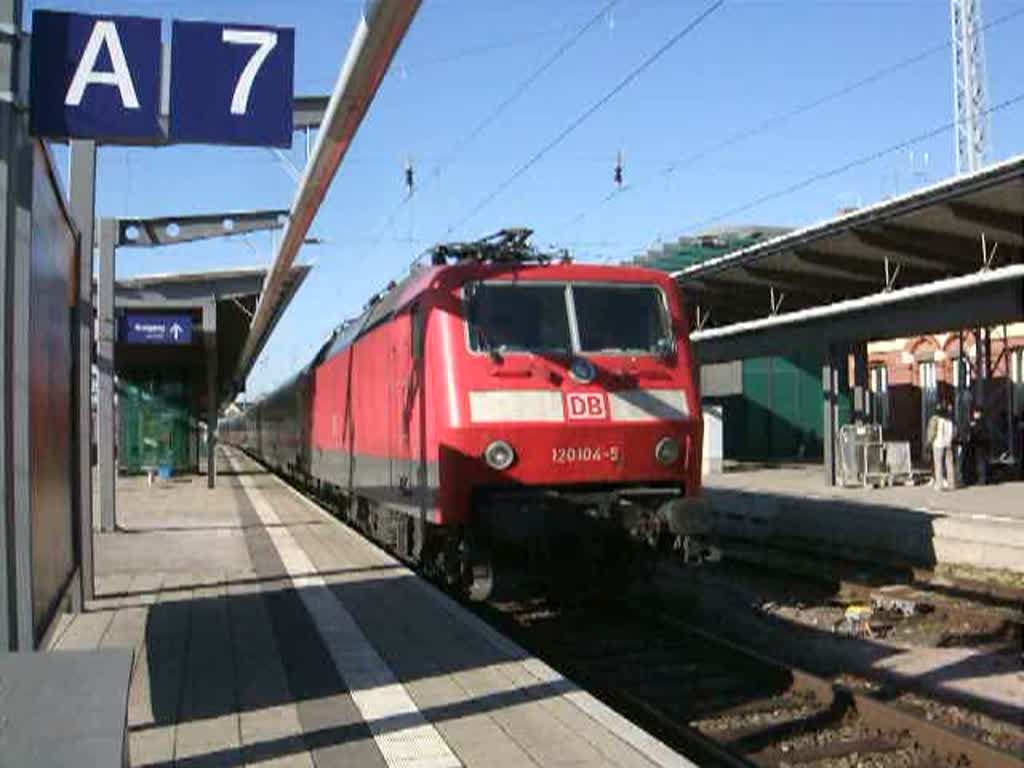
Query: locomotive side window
517	318
621	318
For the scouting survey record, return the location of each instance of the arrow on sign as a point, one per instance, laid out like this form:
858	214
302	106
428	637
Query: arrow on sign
176	331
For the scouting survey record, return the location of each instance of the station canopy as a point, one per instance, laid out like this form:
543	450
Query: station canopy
236	292
963	235
918	238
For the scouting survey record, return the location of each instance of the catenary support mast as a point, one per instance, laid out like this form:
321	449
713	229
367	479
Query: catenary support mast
970	98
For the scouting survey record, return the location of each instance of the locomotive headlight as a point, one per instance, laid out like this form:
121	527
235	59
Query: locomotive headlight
499	455
582	370
667	450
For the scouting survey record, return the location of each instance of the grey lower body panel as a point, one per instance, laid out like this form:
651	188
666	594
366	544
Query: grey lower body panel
400	484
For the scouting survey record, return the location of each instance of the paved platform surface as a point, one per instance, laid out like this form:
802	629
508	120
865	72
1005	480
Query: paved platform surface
978	526
267	633
65	709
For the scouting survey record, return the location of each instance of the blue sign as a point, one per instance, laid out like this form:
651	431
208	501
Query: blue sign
142	328
231	84
95	77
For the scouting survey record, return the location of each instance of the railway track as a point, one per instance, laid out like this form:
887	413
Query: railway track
725	705
722	704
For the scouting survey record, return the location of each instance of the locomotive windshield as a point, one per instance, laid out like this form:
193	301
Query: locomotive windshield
520	317
620	318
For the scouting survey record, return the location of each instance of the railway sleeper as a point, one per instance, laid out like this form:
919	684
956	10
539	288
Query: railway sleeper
752	739
711	704
863	745
786	706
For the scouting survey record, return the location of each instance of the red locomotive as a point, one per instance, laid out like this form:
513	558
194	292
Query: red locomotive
498	400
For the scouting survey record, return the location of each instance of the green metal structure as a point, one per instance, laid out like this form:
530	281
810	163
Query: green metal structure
780	414
155	427
688	251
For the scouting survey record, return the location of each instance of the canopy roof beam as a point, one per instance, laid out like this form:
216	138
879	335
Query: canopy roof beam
169	230
756	300
807	282
909	251
873	268
826	265
999	224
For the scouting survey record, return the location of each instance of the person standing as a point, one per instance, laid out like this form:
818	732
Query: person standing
941	433
978	442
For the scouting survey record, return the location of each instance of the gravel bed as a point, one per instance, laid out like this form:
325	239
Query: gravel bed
770	610
713	725
996	733
900	758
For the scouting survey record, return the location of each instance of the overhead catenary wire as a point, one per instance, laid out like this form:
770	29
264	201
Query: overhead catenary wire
774	121
413	66
562	135
862	160
287	165
492	116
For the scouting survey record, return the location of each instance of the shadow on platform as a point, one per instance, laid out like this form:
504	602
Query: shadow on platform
195	675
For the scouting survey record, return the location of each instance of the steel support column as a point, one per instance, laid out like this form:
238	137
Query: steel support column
830	384
83	209
210	339
10	17
861	400
20	339
106	417
1010	405
16	629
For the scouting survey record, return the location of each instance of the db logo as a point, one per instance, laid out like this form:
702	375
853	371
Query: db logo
586	406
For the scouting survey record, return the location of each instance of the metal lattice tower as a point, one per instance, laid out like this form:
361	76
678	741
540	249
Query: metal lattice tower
969	86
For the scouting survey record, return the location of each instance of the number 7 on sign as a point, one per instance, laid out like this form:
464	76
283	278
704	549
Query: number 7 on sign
265	42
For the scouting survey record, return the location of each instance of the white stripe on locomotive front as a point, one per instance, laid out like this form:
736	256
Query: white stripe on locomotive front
513	405
649	405
516	405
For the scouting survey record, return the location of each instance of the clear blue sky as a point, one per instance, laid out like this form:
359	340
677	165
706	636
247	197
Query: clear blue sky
749	62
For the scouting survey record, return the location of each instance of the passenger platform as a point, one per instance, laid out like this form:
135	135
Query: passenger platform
922	526
268	633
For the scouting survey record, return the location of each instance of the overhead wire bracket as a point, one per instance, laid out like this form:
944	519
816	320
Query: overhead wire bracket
988	257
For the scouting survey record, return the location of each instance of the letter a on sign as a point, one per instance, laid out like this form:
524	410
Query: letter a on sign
103	33
95	77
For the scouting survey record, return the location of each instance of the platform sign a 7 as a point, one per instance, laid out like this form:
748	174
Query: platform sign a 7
95	77
231	84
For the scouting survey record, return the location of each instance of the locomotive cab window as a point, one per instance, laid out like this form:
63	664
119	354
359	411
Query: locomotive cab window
621	318
517	318
559	317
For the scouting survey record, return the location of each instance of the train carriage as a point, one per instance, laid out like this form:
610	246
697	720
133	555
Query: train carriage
499	400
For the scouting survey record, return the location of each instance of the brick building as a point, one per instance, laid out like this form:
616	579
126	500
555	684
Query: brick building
909	376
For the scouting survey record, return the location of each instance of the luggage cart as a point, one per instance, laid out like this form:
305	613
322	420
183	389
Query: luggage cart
866	460
855	452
